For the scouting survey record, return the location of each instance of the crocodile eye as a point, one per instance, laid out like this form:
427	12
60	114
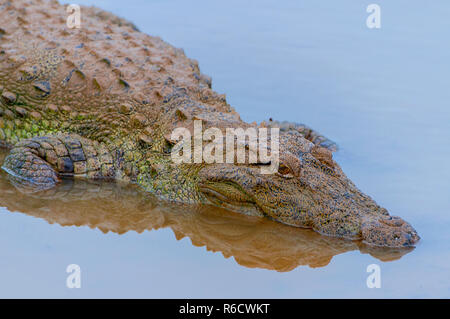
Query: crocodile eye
284	171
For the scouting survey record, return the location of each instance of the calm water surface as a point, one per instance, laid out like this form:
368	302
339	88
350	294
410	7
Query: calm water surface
382	95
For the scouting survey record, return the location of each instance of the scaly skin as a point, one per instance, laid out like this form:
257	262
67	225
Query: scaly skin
100	102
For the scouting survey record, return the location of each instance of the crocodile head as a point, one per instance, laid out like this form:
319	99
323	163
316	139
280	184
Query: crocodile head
310	190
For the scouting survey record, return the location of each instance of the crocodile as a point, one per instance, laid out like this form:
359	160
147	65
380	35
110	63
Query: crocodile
101	101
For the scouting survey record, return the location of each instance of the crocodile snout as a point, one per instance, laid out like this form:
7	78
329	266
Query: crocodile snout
390	231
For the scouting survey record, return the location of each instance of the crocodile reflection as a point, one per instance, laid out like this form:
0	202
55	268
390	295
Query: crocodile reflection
253	242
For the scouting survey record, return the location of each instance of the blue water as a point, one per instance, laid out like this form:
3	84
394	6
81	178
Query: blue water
382	94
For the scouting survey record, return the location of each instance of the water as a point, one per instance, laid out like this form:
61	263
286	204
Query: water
382	95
